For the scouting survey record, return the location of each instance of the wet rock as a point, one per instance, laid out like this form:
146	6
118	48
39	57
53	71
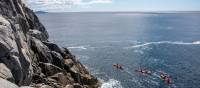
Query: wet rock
88	79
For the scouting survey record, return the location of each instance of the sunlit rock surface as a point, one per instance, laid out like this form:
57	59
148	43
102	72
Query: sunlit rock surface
28	59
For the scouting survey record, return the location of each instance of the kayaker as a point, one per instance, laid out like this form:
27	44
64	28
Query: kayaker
118	66
143	71
165	78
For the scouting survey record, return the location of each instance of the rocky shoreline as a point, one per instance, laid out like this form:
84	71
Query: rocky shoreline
29	60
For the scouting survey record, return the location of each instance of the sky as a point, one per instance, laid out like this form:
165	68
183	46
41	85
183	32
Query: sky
113	5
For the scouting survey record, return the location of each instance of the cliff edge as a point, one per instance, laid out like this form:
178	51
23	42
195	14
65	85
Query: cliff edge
29	60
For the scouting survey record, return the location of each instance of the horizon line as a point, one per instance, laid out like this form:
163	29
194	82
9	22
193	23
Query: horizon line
175	11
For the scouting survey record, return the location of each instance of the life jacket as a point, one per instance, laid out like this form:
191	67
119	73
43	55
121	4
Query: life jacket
166	79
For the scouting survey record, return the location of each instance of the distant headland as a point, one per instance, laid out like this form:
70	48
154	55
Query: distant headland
40	12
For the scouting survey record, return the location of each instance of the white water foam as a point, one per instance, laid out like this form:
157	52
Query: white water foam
112	83
165	42
78	47
196	42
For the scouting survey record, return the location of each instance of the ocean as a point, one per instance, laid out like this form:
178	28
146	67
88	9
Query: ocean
160	42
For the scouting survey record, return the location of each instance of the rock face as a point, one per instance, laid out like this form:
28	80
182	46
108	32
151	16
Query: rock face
28	59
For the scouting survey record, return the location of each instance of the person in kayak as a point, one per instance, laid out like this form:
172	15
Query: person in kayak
118	66
143	71
165	78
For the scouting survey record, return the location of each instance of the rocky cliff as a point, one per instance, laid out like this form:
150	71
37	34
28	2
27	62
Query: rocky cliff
28	59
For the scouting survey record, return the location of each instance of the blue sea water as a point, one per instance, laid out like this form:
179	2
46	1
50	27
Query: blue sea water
161	42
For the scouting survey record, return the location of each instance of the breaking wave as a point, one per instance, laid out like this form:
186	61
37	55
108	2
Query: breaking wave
165	42
78	47
196	42
111	83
